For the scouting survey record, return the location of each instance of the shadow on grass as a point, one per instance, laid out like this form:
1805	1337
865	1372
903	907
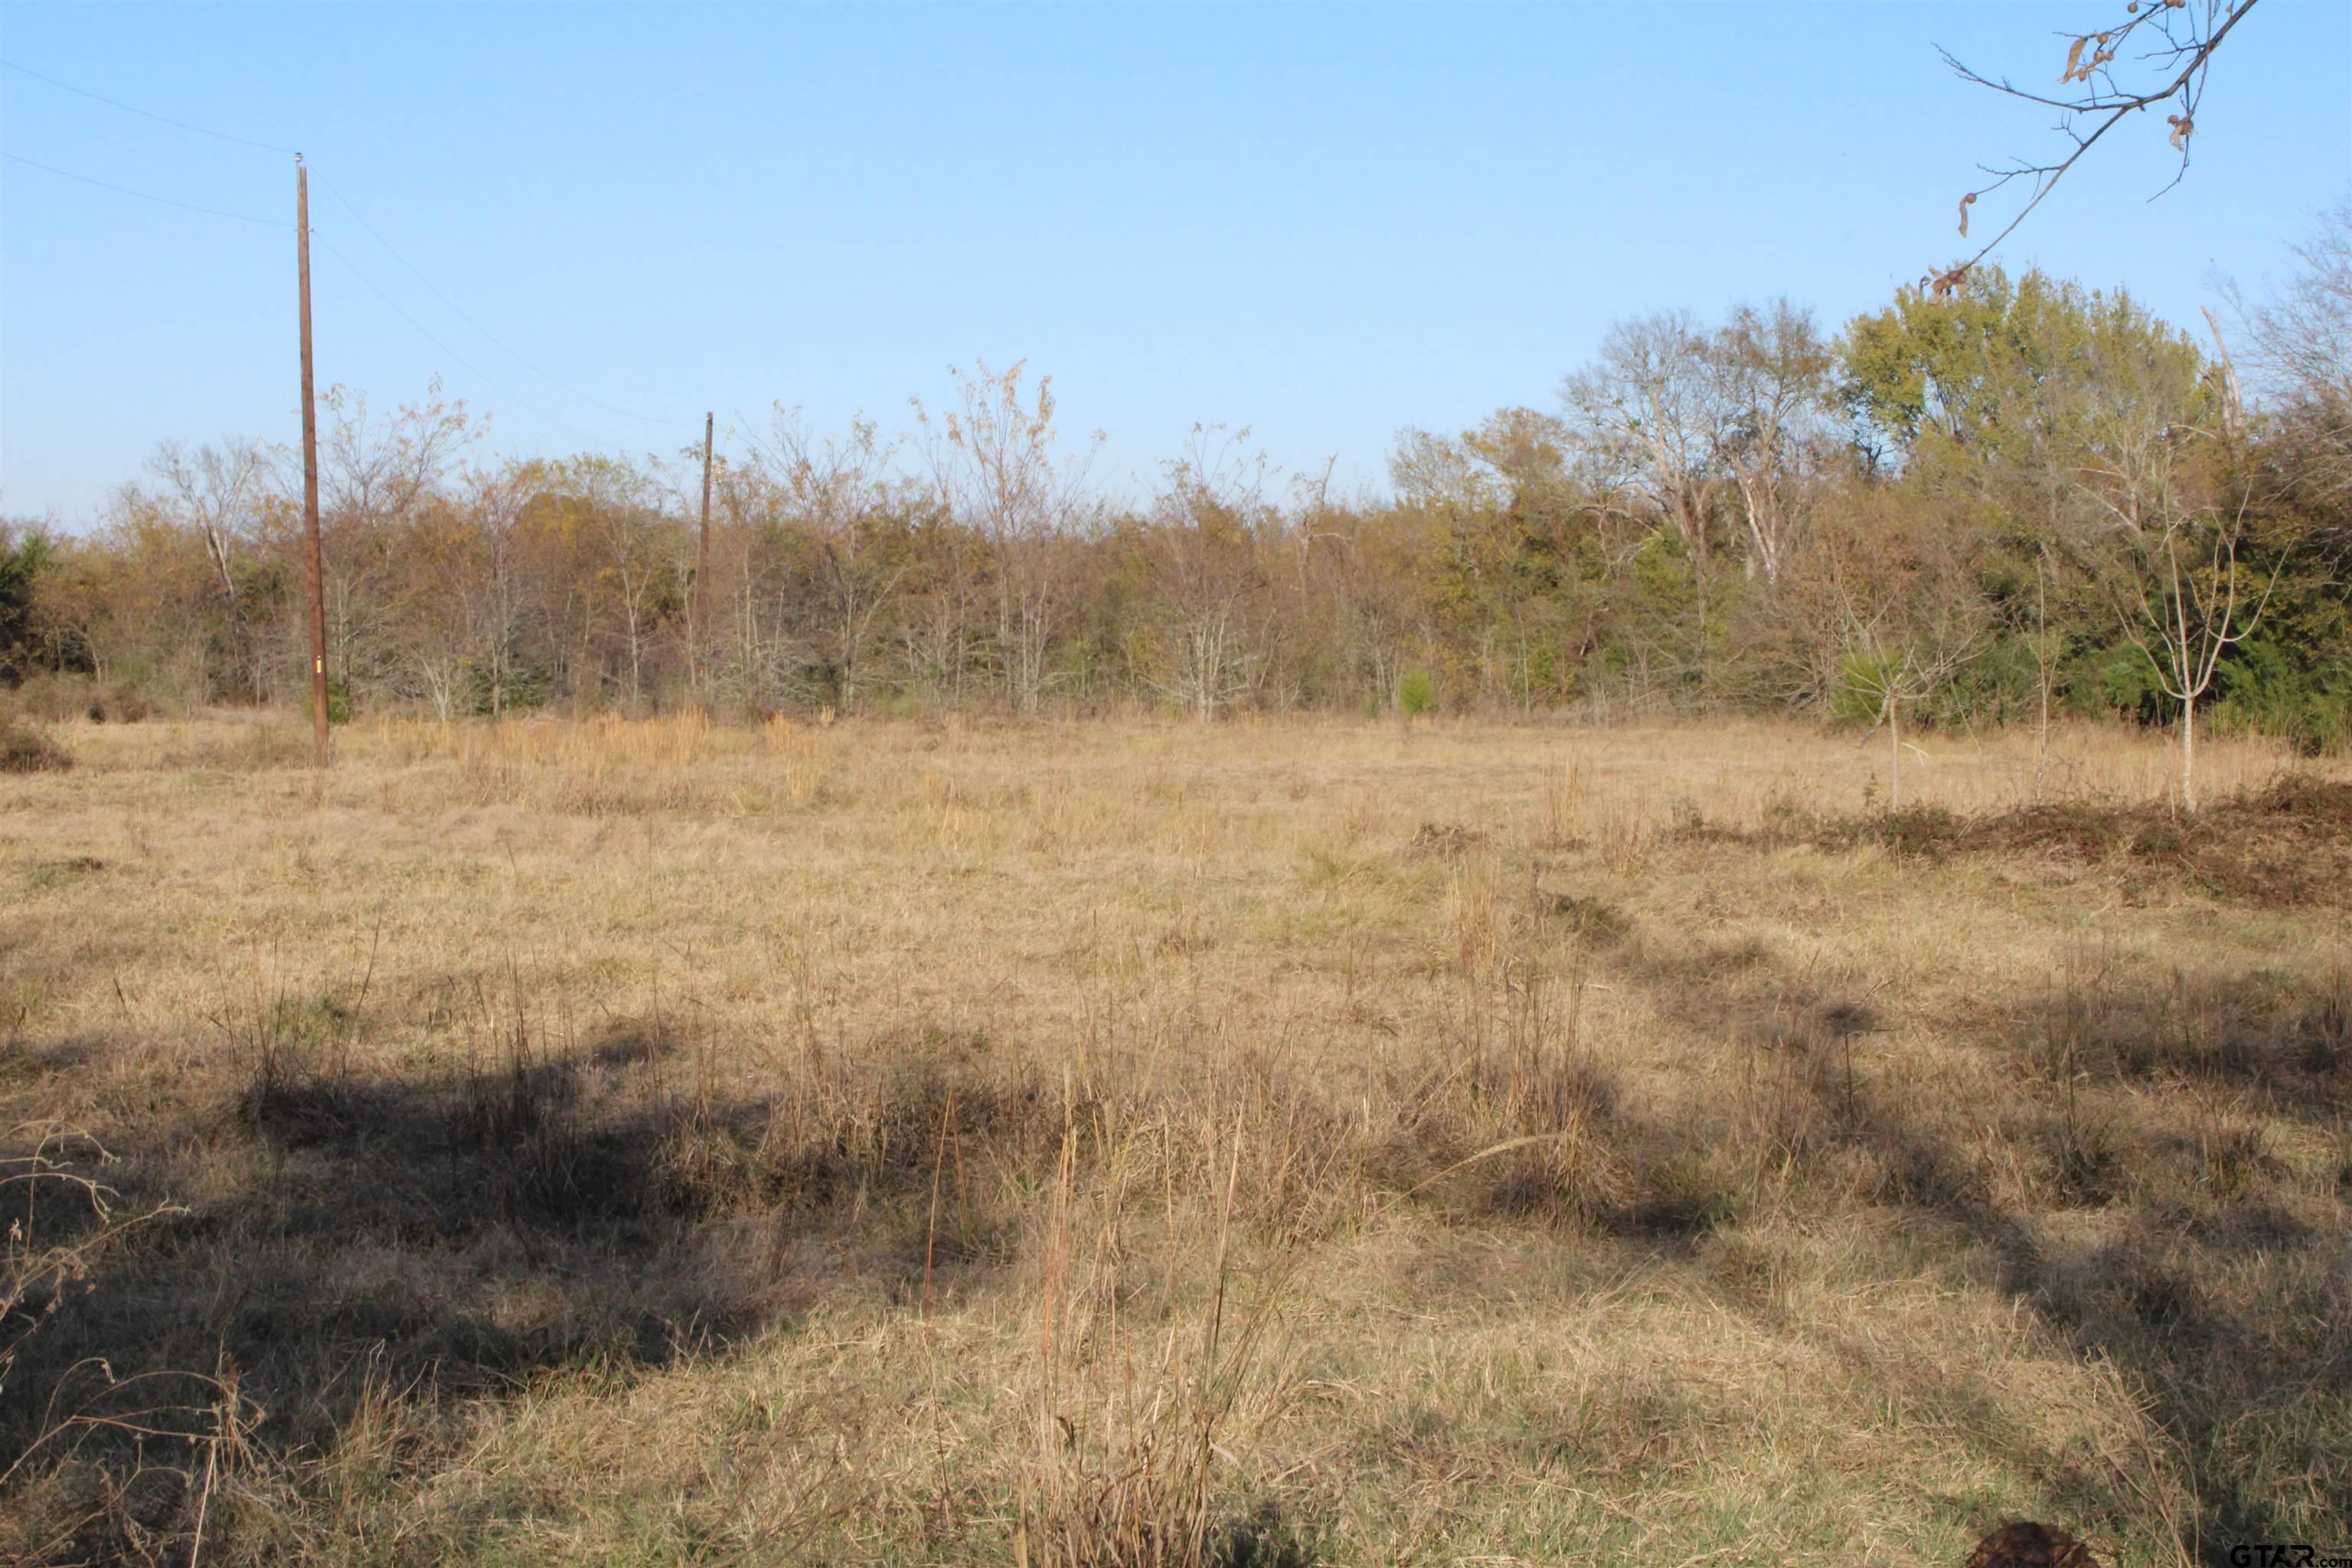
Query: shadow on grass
314	1241
455	1233
2217	1279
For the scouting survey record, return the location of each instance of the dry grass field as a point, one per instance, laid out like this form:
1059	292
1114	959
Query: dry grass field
1127	1144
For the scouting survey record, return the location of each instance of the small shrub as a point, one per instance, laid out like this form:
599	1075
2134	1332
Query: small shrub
1919	831
124	703
1864	682
25	750
53	695
126	697
1416	694
521	688
338	703
2115	682
2269	689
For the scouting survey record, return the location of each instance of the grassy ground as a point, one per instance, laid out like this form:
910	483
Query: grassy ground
1270	1144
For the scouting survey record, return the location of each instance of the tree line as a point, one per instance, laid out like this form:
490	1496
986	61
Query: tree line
1981	503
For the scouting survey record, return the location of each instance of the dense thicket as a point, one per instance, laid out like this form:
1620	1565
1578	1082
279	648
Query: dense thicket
2013	497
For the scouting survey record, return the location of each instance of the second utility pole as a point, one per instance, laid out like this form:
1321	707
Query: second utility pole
702	557
310	468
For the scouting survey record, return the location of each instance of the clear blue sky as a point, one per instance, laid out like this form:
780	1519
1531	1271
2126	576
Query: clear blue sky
1327	222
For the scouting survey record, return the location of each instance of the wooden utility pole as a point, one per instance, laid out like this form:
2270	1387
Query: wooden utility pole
310	468
702	556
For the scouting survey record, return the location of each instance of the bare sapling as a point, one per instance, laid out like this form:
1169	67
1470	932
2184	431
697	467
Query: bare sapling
2183	605
1903	650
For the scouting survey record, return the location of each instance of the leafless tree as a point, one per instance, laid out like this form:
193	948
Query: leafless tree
492	594
839	493
1771	372
639	575
1902	659
380	466
1909	619
2179	595
1202	550
377	474
2148	465
1354	581
993	465
1646	418
2300	351
217	488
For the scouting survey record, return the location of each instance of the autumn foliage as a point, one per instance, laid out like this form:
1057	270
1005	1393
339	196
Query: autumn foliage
1968	506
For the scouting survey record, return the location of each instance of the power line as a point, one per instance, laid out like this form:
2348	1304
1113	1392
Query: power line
516	353
146	114
394	251
428	335
279	223
144	195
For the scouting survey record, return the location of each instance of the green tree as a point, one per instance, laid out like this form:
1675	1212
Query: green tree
1998	373
25	551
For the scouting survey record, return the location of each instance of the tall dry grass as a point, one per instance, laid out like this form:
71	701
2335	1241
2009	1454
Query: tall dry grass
1125	1144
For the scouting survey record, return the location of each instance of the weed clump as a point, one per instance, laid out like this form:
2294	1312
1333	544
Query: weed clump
25	750
1443	840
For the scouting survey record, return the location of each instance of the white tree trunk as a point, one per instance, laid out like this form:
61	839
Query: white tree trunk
2189	752
1893	754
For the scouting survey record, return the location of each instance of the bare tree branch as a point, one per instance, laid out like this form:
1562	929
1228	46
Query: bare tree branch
2182	36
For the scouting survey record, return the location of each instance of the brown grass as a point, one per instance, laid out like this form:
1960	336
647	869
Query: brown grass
24	748
1125	1144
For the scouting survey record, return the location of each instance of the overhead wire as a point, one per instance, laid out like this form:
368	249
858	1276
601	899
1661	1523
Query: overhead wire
358	217
144	195
148	114
329	246
462	315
